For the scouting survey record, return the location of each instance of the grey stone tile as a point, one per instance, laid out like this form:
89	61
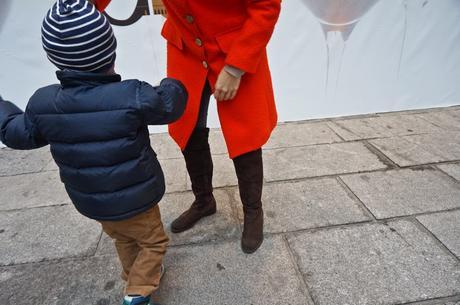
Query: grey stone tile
449	119
405	192
217	142
362	128
452	170
73	282
301	134
164	146
221	274
446	227
32	190
14	162
343	132
223	174
421	149
306	204
383	126
175	174
51	166
374	264
404	152
319	160
46	233
222	225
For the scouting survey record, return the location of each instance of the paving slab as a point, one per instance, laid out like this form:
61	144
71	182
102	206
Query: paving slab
421	149
223	225
51	166
223	174
446	227
15	162
164	146
374	264
301	134
32	190
306	204
33	235
452	170
448	120
217	142
175	174
383	126
405	192
92	281
319	160
221	274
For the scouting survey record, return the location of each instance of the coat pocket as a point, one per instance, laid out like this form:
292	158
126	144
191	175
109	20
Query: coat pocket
172	35
226	39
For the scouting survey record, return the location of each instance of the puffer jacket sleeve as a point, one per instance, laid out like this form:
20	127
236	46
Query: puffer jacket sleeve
164	104
17	130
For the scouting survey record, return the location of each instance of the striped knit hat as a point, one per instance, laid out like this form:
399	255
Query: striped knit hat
76	36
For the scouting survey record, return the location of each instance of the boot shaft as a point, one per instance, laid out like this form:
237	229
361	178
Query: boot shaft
198	160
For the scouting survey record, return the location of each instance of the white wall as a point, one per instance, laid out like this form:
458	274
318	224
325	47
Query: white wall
402	54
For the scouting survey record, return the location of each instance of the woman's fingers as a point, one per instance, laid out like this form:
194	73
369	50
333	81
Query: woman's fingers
228	95
218	94
233	94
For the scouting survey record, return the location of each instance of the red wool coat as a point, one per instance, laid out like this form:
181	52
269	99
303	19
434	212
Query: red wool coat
205	35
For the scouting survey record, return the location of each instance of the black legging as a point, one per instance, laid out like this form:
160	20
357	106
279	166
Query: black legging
204	106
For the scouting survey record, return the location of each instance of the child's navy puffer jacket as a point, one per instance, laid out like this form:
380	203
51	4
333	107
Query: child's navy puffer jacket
96	126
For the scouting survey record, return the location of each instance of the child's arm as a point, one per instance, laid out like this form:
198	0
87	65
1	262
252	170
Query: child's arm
16	128
163	104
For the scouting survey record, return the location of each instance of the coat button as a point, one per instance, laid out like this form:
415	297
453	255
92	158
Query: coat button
189	18
198	42
205	64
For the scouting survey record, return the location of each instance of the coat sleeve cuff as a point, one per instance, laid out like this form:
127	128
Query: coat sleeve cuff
234	71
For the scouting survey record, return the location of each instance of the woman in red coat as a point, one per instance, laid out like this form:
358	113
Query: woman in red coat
219	47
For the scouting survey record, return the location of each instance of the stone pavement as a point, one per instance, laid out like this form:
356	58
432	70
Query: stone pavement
359	210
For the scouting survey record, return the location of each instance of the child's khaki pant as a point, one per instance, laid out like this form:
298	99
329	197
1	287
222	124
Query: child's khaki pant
141	244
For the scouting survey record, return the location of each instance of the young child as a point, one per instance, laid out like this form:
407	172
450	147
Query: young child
96	126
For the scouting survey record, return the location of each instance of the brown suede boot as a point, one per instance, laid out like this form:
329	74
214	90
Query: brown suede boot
199	166
249	170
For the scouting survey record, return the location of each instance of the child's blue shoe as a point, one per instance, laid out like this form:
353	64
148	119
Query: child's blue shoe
137	300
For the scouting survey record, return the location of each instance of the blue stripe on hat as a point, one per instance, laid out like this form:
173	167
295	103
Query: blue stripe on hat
76	36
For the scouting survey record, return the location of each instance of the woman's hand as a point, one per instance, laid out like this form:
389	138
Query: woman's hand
227	86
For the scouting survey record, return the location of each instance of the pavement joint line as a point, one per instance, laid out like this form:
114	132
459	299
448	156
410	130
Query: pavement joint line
357	173
54	261
301	278
380	155
355	197
233	239
441	245
21	174
395	218
99	242
335	132
436	168
428	121
58	260
360	139
37	207
234	206
434	301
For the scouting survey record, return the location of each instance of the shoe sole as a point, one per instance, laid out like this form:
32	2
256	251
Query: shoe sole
180	230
